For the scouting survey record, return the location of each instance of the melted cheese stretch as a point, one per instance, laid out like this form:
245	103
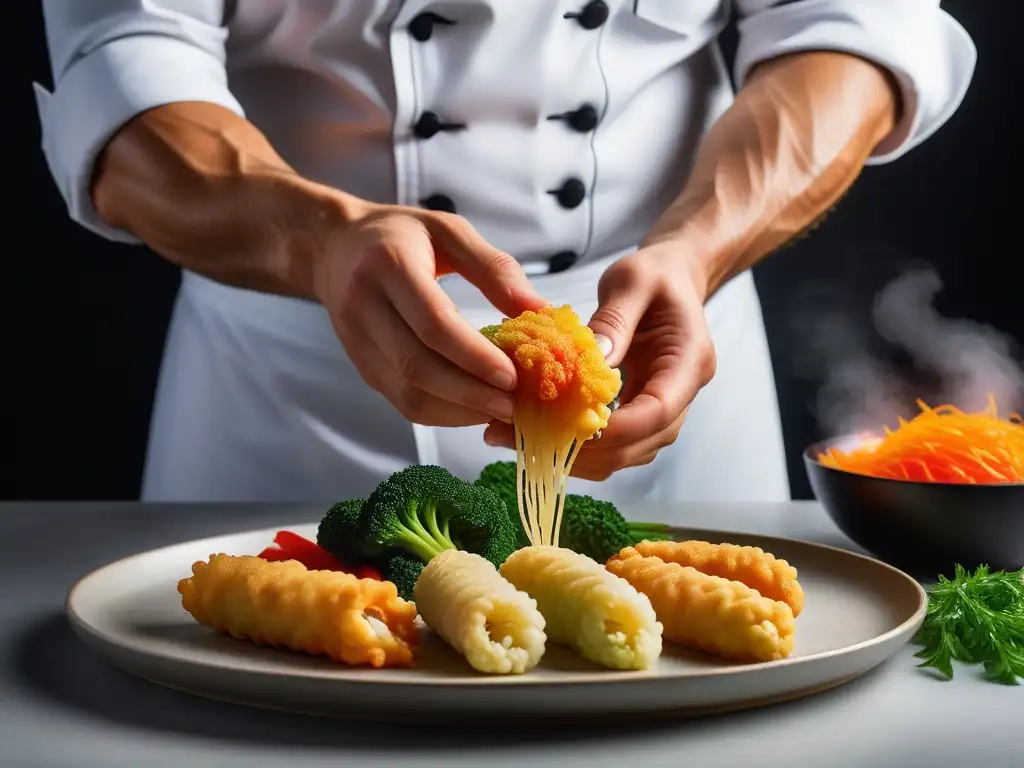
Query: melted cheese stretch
562	401
545	452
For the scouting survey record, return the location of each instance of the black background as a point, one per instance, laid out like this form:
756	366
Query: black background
85	319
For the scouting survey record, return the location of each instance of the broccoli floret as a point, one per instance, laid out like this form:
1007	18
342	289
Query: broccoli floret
424	510
338	532
589	526
597	529
500	478
593	528
403	571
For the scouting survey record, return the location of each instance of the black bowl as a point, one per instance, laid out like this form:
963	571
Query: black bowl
924	528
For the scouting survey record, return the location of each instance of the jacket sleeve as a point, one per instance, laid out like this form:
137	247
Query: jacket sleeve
112	60
928	53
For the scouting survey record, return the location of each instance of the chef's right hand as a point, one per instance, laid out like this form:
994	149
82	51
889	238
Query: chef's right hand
377	278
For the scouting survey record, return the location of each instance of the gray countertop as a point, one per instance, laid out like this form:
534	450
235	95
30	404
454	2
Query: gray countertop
63	706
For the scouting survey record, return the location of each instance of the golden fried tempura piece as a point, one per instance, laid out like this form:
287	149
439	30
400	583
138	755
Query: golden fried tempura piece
753	566
326	613
723	617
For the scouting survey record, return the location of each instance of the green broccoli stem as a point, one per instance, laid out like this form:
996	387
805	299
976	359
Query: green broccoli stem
440	537
422	547
647	527
418	539
649	531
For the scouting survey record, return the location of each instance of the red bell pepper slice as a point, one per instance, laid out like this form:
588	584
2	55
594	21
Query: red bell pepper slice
295	543
291	546
275	555
368	572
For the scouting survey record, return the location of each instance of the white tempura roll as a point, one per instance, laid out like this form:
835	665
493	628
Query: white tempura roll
601	616
463	598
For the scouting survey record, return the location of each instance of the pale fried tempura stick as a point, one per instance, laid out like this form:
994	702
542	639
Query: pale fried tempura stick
585	607
328	613
463	598
760	570
723	617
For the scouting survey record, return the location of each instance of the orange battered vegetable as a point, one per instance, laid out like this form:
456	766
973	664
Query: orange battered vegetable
283	604
942	445
561	400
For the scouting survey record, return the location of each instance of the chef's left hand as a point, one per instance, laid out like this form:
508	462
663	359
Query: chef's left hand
651	317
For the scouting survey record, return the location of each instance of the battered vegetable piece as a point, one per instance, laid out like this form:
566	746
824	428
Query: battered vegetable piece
561	400
709	613
596	613
327	613
463	598
760	570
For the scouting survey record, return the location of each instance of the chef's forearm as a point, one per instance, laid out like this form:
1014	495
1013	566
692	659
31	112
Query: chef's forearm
795	139
204	188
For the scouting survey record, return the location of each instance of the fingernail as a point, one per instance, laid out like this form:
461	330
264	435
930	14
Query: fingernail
604	344
500	408
503	380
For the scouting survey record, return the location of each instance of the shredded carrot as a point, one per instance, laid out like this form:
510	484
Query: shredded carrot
941	445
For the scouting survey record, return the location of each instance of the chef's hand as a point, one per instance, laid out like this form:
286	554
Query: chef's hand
651	318
651	312
377	278
205	189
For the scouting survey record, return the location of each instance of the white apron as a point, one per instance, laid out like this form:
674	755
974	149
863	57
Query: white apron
257	401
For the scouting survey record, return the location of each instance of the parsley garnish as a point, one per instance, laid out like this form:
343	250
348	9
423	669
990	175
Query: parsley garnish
975	618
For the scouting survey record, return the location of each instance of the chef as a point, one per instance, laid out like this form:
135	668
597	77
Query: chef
314	165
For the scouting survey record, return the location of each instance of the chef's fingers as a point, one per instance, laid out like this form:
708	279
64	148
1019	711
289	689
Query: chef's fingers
596	458
600	475
424	369
623	294
498	276
415	404
621	441
592	463
434	318
500	434
673	368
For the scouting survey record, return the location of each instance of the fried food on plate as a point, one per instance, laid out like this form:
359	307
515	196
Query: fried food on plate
760	570
709	613
329	613
463	598
599	615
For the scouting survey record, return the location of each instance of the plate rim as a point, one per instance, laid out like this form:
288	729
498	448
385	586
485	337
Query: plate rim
581	678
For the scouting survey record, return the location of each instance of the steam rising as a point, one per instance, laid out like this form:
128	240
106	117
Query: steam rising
862	393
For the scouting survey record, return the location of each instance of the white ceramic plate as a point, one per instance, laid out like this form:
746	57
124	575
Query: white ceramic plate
858	612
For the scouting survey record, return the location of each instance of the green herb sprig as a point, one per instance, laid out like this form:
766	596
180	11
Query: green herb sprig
975	618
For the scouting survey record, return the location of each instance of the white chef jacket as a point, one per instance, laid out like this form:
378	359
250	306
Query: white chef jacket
561	129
